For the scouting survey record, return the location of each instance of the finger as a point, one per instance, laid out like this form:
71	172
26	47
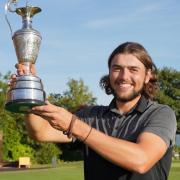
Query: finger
25	71
20	72
20	69
9	84
37	113
33	69
18	66
47	102
11	80
39	108
45	108
43	114
13	76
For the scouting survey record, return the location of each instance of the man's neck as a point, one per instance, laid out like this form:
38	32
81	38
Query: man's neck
125	107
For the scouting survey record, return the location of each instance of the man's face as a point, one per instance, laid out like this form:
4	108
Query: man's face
127	77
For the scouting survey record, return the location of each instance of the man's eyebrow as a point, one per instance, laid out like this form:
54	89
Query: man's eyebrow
116	65
120	66
134	67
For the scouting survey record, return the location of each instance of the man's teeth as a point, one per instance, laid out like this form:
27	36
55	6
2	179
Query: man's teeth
124	85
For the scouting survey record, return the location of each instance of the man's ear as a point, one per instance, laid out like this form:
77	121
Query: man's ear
148	76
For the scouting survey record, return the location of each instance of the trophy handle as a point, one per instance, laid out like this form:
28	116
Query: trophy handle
9	8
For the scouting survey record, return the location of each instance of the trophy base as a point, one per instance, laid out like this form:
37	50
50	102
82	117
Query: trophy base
19	106
25	92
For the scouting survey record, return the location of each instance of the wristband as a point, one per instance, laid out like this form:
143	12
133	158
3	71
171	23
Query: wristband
68	132
84	140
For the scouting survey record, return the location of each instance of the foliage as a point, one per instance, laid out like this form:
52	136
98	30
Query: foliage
169	83
12	146
76	96
46	152
176	149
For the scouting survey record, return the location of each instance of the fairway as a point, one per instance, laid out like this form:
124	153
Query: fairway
175	171
67	171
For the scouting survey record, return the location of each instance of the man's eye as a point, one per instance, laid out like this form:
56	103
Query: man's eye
133	69
116	69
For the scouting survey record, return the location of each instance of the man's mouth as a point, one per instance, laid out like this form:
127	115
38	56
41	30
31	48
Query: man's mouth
124	85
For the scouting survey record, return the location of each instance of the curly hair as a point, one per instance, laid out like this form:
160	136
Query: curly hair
149	89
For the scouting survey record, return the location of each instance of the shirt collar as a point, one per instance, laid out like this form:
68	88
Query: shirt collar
140	106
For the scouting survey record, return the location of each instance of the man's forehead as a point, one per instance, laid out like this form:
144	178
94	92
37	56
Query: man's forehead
126	60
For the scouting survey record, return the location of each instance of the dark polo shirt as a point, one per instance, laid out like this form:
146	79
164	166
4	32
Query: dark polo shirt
146	116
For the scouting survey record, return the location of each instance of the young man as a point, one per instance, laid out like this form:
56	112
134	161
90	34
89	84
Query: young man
132	138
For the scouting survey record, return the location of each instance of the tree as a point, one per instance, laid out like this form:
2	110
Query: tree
12	126
169	83
45	153
76	96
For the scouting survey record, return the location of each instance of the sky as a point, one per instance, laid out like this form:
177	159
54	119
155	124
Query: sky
79	35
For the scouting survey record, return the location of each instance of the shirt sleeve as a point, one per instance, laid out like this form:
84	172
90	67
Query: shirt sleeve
162	122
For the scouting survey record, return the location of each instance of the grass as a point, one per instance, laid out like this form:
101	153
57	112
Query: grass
66	171
175	171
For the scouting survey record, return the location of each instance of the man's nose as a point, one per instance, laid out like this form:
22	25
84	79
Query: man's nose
124	73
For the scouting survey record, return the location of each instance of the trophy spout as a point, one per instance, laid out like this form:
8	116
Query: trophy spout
28	11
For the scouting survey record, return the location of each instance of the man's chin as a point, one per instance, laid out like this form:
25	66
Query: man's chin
126	98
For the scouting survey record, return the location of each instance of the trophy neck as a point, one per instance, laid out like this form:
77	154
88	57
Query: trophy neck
27	23
27	13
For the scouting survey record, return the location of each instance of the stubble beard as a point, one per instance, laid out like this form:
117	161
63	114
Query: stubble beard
126	98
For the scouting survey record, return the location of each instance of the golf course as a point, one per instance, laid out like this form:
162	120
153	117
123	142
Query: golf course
65	171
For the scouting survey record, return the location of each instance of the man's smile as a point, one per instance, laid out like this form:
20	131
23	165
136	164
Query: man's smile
123	85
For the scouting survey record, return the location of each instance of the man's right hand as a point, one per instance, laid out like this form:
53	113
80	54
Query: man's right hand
21	69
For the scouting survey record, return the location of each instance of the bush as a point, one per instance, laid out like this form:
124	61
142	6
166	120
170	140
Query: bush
46	152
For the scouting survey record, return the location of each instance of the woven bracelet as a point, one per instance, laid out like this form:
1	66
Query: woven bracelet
84	140
68	132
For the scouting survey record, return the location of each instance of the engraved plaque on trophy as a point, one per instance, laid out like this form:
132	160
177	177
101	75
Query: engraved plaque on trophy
27	90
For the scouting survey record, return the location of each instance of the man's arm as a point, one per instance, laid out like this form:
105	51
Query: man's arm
40	130
138	157
38	127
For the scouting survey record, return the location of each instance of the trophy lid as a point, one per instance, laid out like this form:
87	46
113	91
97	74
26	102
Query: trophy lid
28	11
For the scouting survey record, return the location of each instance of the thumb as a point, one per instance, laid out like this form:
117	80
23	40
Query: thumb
47	102
33	69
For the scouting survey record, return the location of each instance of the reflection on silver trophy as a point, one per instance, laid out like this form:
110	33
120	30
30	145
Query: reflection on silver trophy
27	90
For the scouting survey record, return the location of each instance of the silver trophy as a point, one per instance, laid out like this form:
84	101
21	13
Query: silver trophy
27	90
